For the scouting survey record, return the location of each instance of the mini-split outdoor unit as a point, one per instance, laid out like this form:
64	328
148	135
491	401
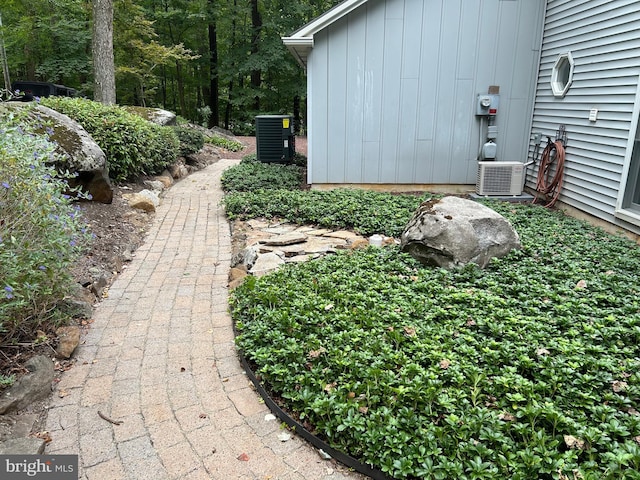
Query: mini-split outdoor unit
500	178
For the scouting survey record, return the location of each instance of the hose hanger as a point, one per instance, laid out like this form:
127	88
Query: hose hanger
551	169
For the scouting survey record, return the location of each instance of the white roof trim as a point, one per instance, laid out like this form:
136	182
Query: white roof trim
300	42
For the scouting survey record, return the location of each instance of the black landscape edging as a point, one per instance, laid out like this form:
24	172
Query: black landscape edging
343	458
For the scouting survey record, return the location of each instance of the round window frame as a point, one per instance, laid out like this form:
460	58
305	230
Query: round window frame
560	87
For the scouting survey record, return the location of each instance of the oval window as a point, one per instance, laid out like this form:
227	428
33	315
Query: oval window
562	74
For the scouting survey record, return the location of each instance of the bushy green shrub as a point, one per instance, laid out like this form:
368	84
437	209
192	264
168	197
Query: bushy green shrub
41	231
164	150
133	145
191	140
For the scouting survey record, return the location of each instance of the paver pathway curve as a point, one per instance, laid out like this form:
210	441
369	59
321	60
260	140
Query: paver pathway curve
160	358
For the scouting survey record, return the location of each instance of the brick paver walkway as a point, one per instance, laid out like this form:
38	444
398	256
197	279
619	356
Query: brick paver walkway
160	358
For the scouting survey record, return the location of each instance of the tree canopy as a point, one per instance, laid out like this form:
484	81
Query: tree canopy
215	62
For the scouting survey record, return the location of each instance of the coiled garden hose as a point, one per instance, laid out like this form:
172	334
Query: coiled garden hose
550	179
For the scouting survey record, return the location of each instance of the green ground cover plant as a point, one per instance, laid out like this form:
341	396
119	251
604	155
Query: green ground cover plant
253	176
41	230
529	369
364	211
231	145
255	189
134	146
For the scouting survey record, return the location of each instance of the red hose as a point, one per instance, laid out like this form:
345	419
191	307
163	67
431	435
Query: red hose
553	154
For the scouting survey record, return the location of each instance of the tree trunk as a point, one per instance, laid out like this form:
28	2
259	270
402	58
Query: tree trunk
104	72
296	115
256	23
3	59
180	80
229	106
214	102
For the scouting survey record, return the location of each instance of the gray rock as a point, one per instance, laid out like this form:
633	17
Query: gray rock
16	426
99	284
155	185
161	117
266	263
79	306
246	258
31	387
154	115
178	171
81	154
289	238
454	231
22	446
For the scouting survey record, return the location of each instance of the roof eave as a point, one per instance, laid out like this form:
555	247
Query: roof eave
327	18
299	48
300	43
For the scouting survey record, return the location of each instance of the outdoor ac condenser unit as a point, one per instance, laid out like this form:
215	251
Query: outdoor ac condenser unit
500	178
275	141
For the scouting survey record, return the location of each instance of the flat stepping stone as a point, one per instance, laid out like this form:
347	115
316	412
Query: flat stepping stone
290	238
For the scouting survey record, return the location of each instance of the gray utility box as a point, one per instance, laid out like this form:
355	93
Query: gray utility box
275	141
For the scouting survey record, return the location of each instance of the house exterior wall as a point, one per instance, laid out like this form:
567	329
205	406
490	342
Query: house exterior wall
392	89
603	38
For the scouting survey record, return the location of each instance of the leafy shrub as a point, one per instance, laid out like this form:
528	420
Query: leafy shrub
191	140
529	369
250	176
231	145
163	151
41	232
134	146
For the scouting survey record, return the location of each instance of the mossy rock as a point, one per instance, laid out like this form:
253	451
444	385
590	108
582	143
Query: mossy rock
154	115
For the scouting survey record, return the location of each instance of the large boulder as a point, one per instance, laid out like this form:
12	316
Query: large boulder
453	231
154	115
81	155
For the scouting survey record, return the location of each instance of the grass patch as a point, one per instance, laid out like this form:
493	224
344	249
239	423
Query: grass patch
527	369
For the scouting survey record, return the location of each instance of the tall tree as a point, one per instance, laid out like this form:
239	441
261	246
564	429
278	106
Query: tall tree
3	59
214	82
143	57
256	73
104	70
48	41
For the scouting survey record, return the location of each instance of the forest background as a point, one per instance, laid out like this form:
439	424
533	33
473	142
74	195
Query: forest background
213	62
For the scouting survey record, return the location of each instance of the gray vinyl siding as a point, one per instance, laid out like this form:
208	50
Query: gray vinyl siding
603	37
392	89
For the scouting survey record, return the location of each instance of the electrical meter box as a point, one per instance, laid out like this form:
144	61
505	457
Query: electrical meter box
487	104
275	141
